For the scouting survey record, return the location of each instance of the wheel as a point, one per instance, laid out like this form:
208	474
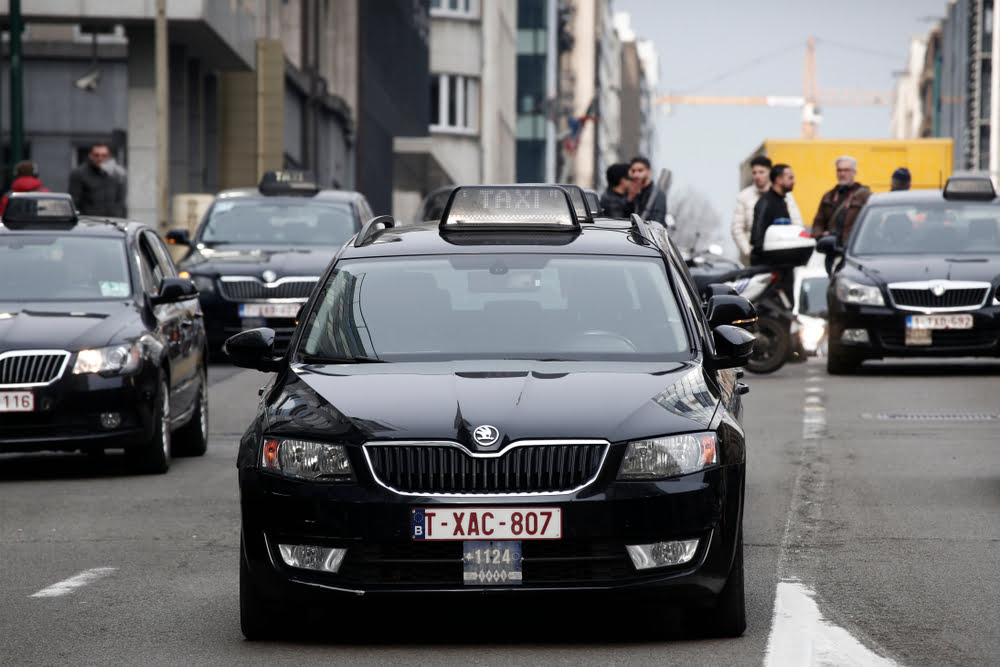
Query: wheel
192	438
728	616
839	362
771	348
153	457
259	619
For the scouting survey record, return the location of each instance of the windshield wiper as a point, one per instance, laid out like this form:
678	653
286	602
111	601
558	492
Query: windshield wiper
318	359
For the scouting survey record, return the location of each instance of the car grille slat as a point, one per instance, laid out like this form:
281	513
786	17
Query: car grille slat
950	298
435	468
250	289
31	368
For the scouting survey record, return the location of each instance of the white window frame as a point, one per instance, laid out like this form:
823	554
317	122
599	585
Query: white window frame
466	109
470	11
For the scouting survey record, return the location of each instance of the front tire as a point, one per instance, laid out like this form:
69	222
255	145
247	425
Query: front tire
727	617
839	362
259	619
153	457
192	438
771	348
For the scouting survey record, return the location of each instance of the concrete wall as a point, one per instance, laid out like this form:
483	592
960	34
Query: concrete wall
498	138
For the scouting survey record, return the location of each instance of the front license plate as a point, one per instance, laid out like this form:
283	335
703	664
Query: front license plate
17	401
494	523
938	322
284	310
491	563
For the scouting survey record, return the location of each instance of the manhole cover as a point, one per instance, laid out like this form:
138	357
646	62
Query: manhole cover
938	416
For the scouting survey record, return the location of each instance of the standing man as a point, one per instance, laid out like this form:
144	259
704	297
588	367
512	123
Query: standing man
645	197
95	189
771	209
760	172
839	208
900	179
614	201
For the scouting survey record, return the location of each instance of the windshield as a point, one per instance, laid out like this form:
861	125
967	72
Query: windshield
524	306
63	268
283	221
934	228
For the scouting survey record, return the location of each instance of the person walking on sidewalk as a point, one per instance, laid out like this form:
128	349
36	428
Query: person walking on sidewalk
97	190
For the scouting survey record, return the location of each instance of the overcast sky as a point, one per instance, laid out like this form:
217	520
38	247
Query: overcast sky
860	44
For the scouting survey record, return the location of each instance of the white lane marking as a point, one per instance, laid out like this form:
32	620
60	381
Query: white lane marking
801	636
74	582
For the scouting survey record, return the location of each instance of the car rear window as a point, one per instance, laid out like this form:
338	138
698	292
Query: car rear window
530	306
63	268
937	228
279	222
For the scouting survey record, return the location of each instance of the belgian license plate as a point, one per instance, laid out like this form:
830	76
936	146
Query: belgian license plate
283	310
938	322
17	401
491	563
492	523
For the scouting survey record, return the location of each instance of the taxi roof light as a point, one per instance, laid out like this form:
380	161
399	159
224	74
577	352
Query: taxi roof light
971	186
288	182
510	207
40	210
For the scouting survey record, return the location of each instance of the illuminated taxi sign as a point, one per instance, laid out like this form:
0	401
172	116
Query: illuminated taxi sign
288	182
509	206
39	210
969	186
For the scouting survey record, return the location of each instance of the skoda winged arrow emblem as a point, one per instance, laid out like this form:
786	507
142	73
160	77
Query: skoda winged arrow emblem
938	288
486	435
269	276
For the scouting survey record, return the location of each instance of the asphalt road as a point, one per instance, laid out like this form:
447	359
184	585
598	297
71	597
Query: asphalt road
873	498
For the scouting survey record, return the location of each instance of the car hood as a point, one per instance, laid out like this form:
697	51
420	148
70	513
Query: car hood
230	259
68	326
903	268
524	400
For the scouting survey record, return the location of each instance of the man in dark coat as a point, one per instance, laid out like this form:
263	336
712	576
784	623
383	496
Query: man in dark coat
614	201
647	199
96	190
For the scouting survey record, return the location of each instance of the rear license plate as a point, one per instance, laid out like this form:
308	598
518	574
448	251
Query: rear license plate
491	563
506	523
938	322
284	310
17	401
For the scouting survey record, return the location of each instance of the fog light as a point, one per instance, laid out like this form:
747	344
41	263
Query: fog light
661	554
309	557
110	420
854	336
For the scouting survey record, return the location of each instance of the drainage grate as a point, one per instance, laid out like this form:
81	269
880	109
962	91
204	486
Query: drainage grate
938	416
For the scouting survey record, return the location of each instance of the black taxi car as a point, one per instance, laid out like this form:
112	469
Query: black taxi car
258	252
507	401
102	345
919	277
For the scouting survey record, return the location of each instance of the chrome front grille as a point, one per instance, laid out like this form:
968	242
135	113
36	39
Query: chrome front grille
939	295
249	288
31	368
524	467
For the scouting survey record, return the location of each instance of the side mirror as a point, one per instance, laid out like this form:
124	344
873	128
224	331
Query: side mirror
253	348
733	347
178	237
729	309
718	289
827	245
173	290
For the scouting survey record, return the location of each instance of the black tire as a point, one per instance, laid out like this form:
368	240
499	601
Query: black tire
730	609
153	457
772	347
839	362
192	438
259	618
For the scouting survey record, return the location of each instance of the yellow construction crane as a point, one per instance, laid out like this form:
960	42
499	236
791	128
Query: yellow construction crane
811	100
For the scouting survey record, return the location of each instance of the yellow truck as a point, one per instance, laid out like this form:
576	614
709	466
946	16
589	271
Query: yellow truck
929	162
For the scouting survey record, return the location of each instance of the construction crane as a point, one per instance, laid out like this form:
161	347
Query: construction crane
811	100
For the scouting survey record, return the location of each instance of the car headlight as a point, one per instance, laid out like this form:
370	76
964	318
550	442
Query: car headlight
850	291
659	458
112	360
307	460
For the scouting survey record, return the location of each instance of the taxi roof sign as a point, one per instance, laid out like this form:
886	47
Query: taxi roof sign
970	185
39	210
531	207
288	182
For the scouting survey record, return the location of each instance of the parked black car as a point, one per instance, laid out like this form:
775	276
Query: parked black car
507	400
102	345
920	276
258	252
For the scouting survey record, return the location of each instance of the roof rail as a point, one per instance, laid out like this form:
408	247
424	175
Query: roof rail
374	225
639	227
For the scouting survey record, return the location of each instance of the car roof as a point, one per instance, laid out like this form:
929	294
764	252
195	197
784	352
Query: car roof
86	225
322	195
898	197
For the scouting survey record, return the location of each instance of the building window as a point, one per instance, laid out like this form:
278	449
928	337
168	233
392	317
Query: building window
454	102
458	8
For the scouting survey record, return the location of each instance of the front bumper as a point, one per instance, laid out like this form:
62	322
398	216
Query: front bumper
886	333
67	414
374	526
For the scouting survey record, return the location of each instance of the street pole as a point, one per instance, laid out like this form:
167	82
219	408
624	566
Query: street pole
16	85
162	118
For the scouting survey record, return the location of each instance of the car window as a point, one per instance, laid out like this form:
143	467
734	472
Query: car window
152	272
498	306
163	261
63	268
933	228
284	221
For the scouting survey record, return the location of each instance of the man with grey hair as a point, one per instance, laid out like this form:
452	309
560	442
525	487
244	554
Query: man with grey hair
839	208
